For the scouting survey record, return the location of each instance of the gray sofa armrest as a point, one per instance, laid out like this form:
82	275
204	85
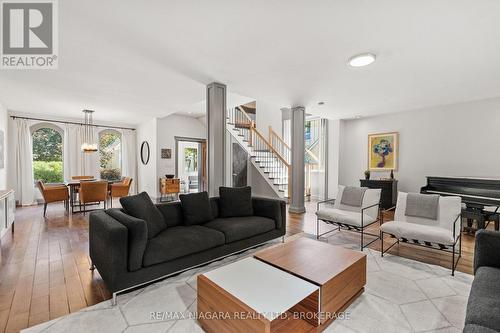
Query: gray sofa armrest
271	208
487	249
137	236
108	247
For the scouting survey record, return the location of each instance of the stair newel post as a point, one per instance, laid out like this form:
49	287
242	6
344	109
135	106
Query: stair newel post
289	182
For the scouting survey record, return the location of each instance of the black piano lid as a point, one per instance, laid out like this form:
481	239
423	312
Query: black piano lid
483	190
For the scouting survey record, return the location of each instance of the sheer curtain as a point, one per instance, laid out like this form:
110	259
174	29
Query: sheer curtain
76	162
129	157
23	148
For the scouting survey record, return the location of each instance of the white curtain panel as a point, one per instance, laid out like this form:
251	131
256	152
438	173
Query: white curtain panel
76	162
23	149
129	157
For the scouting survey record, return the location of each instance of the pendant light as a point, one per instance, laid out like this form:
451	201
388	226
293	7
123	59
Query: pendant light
88	145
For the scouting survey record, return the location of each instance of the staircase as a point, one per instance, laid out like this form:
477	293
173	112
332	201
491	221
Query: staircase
273	164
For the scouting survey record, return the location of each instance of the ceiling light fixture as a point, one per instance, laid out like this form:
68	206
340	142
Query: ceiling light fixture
321	103
88	145
361	60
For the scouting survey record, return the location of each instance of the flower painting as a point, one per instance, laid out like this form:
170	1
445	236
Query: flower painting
382	151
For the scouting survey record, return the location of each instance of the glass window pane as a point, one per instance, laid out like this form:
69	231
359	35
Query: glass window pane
47	155
110	155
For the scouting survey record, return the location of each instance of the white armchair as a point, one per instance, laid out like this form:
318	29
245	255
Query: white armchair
442	233
353	216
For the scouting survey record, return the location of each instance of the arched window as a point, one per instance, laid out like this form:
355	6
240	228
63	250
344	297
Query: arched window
110	154
47	153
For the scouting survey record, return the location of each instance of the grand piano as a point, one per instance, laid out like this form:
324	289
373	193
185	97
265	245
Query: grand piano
481	197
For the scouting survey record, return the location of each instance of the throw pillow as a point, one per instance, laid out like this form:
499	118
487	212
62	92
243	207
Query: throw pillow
235	201
196	208
142	207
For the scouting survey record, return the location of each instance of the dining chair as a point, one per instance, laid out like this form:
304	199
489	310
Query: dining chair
53	193
93	193
121	189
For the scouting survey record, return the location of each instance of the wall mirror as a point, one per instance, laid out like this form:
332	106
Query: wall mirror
145	152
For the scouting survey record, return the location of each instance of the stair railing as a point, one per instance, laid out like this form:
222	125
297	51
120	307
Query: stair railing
280	145
277	165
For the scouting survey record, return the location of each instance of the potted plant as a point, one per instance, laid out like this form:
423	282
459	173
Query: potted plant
367	174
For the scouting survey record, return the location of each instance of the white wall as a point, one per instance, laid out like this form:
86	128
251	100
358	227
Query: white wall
170	127
333	157
454	140
146	174
3	127
260	187
268	114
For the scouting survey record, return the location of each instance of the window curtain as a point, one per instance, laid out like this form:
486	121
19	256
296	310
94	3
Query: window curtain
23	148
76	162
129	157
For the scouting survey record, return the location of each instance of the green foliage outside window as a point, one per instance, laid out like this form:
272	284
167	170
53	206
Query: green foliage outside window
47	155
110	155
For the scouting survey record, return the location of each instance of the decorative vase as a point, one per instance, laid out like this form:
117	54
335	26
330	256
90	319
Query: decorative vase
392	174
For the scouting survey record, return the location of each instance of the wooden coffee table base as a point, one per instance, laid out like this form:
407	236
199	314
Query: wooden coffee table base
219	311
340	273
316	281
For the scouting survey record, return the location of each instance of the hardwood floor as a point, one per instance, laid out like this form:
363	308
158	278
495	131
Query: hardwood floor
44	269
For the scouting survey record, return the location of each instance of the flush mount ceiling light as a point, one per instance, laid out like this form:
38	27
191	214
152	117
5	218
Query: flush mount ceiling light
361	60
321	103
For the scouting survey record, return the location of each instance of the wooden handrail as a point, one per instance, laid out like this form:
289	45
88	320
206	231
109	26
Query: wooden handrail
245	114
270	146
273	133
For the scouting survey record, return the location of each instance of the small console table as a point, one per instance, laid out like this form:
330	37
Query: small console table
389	189
169	187
7	210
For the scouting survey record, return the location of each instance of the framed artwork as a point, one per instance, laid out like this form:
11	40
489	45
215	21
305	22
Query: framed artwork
383	151
166	153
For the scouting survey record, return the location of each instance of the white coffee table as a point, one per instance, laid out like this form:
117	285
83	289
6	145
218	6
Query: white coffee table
252	296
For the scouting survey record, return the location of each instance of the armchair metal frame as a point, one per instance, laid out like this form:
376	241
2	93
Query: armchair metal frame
348	227
441	247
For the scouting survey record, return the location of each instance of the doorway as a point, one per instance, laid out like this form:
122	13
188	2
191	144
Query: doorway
190	163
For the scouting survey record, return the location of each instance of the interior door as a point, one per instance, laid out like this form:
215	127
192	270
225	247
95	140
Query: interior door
240	166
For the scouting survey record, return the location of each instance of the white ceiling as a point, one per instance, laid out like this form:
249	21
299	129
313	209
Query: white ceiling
134	59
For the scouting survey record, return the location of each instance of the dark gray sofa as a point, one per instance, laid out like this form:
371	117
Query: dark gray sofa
483	307
126	258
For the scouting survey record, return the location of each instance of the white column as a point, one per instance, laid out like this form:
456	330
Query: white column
298	152
216	127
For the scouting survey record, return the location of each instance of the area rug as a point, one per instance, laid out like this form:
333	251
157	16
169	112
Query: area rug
401	295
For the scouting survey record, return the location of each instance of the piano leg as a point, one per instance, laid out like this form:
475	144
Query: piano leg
469	223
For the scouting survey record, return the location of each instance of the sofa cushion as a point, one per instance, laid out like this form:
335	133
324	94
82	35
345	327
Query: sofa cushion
353	196
422	205
235	201
180	241
237	228
483	299
172	213
196	208
137	232
344	216
142	207
423	233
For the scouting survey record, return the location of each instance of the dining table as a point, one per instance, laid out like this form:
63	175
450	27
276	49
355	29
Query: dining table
74	184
